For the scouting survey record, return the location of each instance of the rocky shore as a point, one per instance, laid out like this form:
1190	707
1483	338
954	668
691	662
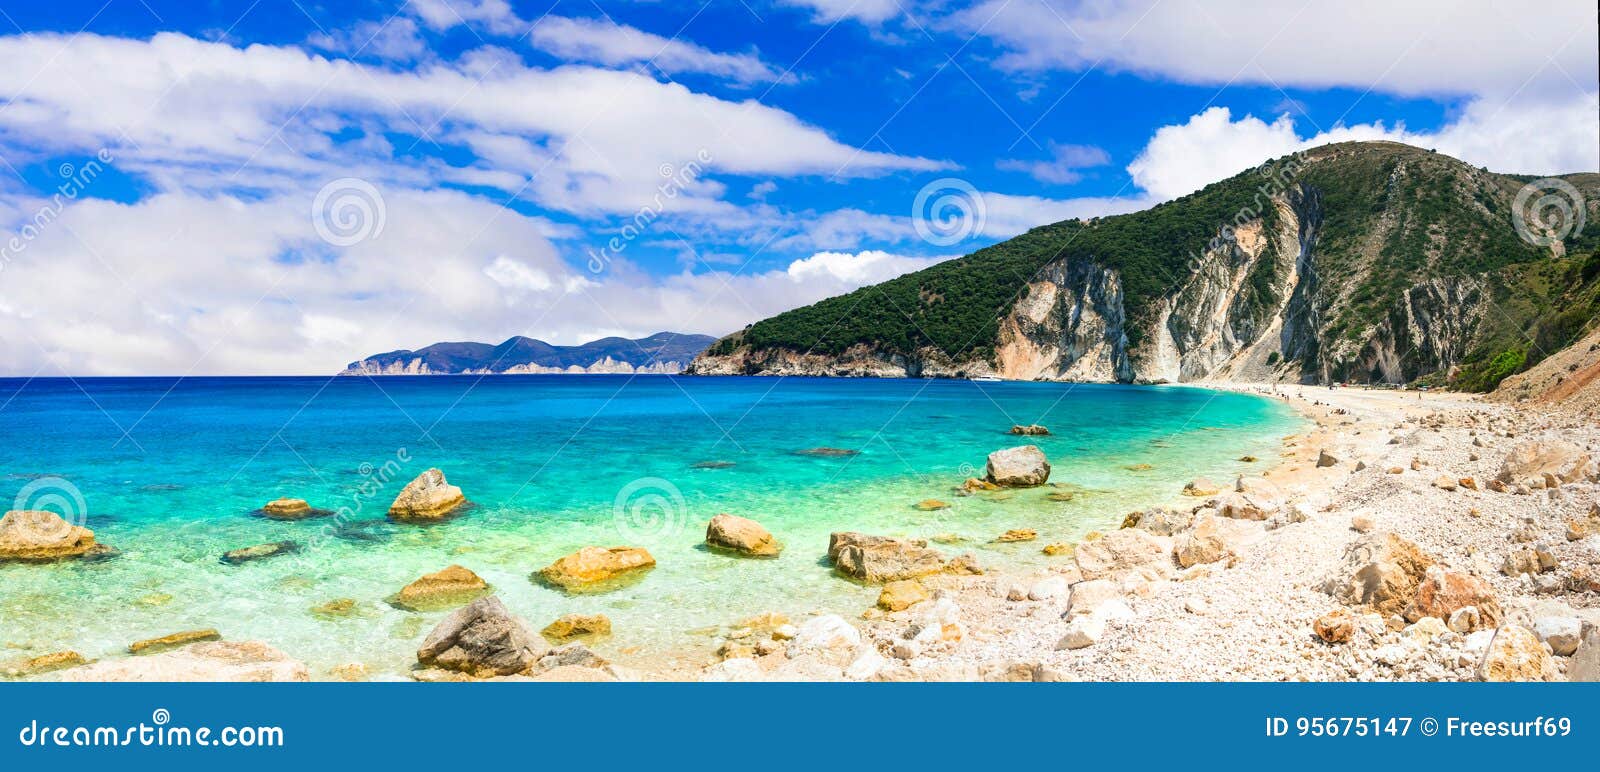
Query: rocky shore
1439	538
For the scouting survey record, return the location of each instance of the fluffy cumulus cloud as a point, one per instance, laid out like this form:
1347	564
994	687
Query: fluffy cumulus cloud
603	42
1065	165
830	11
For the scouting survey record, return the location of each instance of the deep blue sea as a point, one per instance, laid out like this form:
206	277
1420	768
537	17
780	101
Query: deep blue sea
169	472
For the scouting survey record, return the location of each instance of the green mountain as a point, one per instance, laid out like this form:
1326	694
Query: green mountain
1363	262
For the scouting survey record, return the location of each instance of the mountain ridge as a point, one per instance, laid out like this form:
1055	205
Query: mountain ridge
1357	261
661	353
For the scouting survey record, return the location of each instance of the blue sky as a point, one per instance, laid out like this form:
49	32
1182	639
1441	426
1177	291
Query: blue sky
284	186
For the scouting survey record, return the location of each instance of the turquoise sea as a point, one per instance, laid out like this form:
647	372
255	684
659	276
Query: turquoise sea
169	472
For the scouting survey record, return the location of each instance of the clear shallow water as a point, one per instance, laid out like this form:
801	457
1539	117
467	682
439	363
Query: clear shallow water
170	471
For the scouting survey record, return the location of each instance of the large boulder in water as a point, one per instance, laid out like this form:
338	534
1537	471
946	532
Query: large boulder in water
482	640
882	559
597	569
452	586
36	535
1021	467
732	533
429	497
231	661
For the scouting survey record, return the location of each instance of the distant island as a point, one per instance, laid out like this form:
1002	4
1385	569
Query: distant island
661	353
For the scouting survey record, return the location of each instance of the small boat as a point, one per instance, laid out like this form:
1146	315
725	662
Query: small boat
985	379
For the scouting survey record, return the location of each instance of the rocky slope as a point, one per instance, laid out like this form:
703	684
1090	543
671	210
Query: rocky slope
1364	262
663	352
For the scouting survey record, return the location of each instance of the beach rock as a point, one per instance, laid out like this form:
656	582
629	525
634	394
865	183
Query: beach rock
976	485
829	631
1442	592
1380	570
287	509
1058	549
482	640
1244	506
1020	467
734	671
259	552
1515	654
222	661
428	498
597	569
881	559
1325	459
1362	524
452	586
1125	552
931	505
1082	632
577	626
1534	561
1535	458
1211	539
1201	486
1336	626
1049	587
1465	620
902	594
731	533
350	672
1562	633
1585	662
571	655
1017	534
40	665
1425	630
30	535
865	666
1444	482
1031	430
1089	595
172	641
1161	521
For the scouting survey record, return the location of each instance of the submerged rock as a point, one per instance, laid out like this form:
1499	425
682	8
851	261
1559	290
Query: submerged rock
827	452
428	498
31	535
597	569
224	661
259	552
290	509
42	664
931	505
452	586
1024	466
741	535
1017	534
481	640
881	559
172	641
577	626
713	465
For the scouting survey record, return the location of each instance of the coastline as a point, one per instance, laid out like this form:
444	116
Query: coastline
1245	610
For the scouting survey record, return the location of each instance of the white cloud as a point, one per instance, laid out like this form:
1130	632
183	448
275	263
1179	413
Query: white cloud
1553	138
396	39
859	269
1064	166
604	42
493	15
829	11
207	116
1423	47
